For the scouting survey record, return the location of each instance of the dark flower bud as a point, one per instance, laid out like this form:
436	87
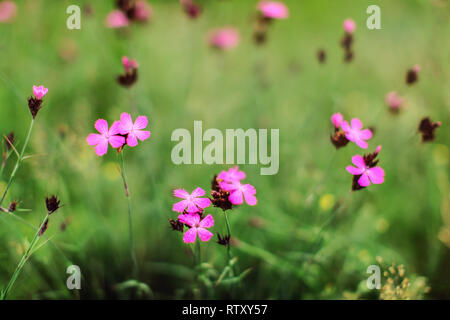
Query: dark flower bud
427	128
34	105
176	225
44	227
192	9
52	204
219	196
412	75
338	140
223	241
128	79
321	56
12	206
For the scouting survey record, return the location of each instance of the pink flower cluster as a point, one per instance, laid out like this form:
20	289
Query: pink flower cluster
230	181
129	11
39	91
273	9
193	205
366	170
224	39
123	132
353	131
8	10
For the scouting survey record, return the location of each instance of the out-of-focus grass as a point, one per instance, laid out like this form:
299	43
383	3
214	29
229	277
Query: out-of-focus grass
279	85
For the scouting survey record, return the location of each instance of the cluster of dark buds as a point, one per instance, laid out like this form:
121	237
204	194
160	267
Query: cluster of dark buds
427	128
321	56
219	197
35	102
192	9
268	11
176	225
52	204
412	75
347	40
338	139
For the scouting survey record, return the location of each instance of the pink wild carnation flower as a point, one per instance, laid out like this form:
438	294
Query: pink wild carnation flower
337	119
196	226
133	130
239	192
8	10
369	175
100	141
393	100
39	91
192	203
117	19
225	38
129	64
142	11
349	25
355	134
273	9
233	174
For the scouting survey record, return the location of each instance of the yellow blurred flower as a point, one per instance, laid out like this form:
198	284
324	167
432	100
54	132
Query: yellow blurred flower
111	171
326	202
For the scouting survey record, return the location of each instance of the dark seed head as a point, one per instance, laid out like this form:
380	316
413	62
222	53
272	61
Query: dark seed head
411	77
427	128
321	56
176	225
34	105
223	241
339	140
128	79
12	206
44	227
52	204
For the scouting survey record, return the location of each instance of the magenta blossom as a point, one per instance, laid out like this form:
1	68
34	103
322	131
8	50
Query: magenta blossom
224	39
8	10
106	136
129	64
273	9
233	174
39	92
393	100
142	11
133	130
192	203
239	192
117	19
349	25
196	226
337	119
355	134
368	175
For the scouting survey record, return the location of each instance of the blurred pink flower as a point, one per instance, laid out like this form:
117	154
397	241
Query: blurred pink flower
416	68
225	38
355	134
39	91
117	19
133	130
393	100
239	192
233	174
129	64
106	136
369	175
196	226
337	119
273	9
8	10
192	10
349	25
142	11
192	203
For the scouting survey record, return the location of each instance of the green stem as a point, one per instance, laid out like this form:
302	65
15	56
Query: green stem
19	161
23	261
229	235
199	252
130	220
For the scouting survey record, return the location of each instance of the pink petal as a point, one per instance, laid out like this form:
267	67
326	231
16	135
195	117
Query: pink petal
354	171
356	124
102	126
190	235
198	192
250	199
345	126
131	139
202	202
358	161
180	206
189	219
115	128
126	123
361	143
94	139
337	119
207	222
116	19
191	207
376	175
141	122
228	186
180	193
142	134
365	134
204	234
364	180
102	148
116	141
236	197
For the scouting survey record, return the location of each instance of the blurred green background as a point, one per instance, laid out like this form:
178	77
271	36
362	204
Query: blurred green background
277	85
